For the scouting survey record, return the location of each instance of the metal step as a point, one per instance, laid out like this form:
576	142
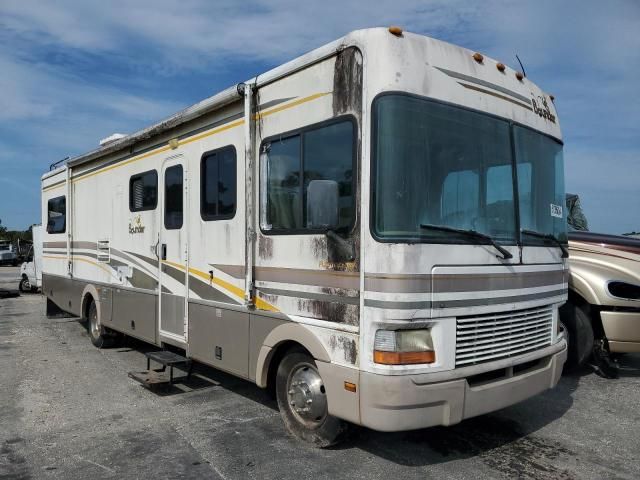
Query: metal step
167	359
154	378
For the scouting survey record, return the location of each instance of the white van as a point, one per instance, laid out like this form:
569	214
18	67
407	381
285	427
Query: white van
31	270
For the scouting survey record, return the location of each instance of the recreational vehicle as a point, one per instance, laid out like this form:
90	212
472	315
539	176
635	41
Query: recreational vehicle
374	230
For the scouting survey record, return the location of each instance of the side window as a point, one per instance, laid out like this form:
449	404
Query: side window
218	179
284	185
324	153
173	197
143	191
56	215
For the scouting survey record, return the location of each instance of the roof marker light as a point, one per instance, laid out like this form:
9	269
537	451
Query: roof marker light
500	66
478	57
395	30
519	76
552	97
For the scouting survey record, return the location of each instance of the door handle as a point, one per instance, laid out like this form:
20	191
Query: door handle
164	251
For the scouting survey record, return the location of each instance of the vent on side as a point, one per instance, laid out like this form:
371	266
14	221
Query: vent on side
104	251
484	338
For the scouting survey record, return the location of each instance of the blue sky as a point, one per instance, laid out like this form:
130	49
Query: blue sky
73	72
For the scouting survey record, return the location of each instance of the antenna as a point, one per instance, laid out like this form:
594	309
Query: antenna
521	66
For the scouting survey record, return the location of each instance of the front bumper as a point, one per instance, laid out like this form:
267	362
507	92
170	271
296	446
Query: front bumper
407	402
622	330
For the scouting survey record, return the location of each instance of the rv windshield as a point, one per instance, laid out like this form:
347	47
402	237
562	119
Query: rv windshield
540	185
447	166
440	165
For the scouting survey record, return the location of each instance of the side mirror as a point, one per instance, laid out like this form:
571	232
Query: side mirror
322	204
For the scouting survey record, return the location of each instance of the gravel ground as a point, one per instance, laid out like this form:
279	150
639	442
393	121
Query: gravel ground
69	411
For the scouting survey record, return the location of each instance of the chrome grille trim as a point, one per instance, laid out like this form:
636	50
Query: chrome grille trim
484	338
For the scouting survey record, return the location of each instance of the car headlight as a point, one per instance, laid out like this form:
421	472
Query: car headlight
403	347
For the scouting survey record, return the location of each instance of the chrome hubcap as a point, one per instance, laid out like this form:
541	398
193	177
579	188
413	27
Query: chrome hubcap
93	321
306	394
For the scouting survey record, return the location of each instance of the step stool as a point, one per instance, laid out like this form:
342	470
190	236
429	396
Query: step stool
153	378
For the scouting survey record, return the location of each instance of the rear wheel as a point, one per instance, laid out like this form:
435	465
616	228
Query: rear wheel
97	332
577	322
302	401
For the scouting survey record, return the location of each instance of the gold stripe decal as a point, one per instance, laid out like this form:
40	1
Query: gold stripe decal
237	291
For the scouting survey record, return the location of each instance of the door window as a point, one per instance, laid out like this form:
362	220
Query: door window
173	198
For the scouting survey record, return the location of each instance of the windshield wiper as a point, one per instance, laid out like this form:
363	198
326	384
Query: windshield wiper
471	234
548	236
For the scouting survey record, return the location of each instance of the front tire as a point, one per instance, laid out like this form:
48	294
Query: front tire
577	321
302	401
25	286
97	332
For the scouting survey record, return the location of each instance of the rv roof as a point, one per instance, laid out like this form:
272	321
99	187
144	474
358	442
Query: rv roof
221	99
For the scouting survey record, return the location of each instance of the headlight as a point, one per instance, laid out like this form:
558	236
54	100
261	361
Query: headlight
403	347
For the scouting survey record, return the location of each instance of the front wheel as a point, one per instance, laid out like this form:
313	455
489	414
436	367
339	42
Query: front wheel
577	322
24	285
302	401
97	332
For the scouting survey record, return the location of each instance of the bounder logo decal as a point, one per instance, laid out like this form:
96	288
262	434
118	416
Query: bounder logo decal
541	107
135	225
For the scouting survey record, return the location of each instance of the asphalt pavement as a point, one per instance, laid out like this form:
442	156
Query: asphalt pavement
69	411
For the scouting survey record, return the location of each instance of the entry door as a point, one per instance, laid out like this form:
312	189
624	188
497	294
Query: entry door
173	255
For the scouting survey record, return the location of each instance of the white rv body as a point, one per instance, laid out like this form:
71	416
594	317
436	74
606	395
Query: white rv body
233	292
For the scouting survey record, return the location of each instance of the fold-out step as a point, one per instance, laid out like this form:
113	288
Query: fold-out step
158	377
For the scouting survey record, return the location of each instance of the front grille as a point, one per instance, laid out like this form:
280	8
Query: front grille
483	338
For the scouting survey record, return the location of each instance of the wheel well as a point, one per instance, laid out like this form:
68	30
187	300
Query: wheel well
86	304
279	353
593	311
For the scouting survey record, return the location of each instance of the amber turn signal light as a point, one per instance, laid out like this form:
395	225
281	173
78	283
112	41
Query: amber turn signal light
403	358
350	387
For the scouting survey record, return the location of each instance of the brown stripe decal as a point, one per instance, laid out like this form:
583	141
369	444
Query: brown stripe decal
484	83
474	302
208	292
319	278
502	97
235	271
393	283
488	282
396	283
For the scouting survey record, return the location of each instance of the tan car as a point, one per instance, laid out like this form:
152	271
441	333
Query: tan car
602	315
